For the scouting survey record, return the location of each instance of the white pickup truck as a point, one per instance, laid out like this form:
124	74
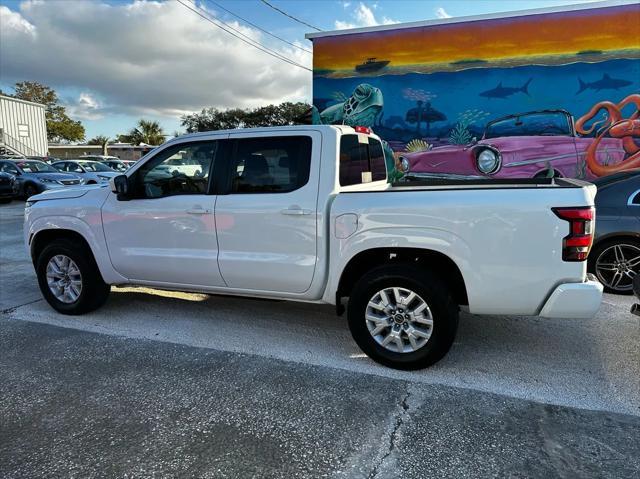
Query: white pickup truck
306	214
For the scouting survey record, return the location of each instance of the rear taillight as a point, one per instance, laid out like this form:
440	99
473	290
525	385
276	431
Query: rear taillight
363	129
576	245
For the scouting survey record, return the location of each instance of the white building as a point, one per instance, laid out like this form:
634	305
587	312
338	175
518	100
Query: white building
23	127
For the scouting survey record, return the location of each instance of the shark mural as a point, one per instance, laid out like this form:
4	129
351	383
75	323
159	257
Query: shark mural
503	92
497	98
606	83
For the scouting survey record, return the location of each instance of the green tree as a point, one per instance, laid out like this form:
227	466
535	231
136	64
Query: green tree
59	126
208	119
148	132
101	140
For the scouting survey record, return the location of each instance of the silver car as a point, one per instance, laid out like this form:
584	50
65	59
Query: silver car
92	172
33	177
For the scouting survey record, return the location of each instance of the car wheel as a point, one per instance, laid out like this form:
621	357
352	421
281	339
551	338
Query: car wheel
615	263
69	278
402	317
30	190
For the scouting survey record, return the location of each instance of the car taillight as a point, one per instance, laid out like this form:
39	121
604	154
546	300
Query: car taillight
576	245
362	129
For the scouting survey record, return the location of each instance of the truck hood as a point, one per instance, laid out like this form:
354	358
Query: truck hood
65	193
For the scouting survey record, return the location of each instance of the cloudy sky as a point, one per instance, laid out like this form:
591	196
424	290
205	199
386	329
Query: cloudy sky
115	61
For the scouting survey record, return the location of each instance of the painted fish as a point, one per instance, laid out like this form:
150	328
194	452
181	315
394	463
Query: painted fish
505	91
605	83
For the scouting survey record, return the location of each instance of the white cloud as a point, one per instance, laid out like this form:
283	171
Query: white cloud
85	107
14	22
146	57
442	13
363	16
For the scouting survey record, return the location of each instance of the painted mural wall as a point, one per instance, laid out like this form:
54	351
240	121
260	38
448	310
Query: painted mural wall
538	95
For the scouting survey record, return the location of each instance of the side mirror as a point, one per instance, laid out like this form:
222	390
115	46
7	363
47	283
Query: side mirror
120	185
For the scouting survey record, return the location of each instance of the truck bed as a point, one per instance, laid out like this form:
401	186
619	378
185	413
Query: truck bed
420	182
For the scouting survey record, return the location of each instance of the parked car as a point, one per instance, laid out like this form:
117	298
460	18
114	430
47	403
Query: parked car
116	165
8	187
527	145
109	161
615	258
306	214
92	172
98	157
46	159
33	177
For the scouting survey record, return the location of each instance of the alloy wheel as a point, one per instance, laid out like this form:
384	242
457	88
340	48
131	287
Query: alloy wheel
64	279
399	320
617	265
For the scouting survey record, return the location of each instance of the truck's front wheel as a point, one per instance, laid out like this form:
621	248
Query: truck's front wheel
402	317
69	278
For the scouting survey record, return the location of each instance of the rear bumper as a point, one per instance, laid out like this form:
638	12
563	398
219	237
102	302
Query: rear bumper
574	300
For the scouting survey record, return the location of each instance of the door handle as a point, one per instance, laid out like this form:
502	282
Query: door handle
198	211
295	211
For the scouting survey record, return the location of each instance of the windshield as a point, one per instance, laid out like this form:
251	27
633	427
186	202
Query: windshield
94	166
36	167
531	124
117	165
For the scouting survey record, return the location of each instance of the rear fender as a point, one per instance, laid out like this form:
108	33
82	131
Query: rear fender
428	239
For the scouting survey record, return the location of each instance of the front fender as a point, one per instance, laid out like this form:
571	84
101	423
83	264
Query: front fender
93	236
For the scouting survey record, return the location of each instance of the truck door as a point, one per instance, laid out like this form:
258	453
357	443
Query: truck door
166	232
267	220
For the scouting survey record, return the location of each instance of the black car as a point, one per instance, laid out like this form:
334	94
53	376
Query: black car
8	187
615	257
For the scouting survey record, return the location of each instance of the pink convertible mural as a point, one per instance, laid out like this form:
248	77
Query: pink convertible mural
542	143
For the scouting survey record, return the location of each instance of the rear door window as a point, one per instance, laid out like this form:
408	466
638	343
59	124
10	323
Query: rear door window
274	164
361	160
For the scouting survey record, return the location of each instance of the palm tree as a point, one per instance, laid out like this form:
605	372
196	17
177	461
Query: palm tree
148	132
101	140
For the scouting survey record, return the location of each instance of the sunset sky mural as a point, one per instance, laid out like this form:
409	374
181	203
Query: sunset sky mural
614	29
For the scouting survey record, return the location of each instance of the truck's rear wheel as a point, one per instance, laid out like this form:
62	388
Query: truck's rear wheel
69	278
402	317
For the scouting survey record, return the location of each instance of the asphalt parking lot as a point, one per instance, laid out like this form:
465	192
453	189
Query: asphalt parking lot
170	384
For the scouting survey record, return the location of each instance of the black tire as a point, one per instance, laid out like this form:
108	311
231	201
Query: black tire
427	286
545	174
4	201
30	190
94	290
599	249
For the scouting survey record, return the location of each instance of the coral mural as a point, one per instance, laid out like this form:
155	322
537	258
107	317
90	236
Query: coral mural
544	94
